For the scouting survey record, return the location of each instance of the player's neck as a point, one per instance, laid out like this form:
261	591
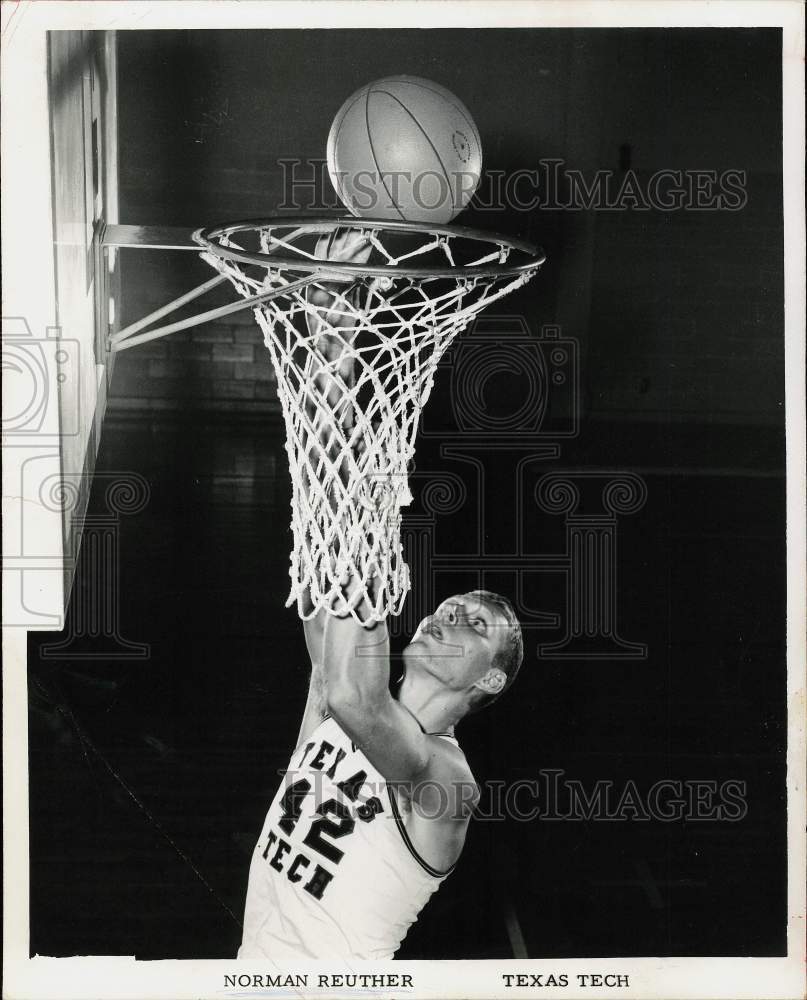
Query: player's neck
433	706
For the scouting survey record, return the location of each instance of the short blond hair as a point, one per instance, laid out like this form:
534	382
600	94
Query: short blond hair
510	657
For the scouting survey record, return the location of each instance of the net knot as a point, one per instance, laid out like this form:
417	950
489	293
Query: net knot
381	283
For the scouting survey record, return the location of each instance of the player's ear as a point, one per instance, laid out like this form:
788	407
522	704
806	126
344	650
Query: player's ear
492	682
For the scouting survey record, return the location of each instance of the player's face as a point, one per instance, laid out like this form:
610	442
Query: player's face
459	641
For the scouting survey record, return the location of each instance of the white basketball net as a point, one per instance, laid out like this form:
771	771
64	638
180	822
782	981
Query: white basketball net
349	457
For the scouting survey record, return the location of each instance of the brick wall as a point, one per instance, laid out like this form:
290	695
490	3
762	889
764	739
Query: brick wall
220	366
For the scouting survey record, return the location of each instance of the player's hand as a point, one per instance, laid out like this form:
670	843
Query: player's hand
334	296
348	247
356	597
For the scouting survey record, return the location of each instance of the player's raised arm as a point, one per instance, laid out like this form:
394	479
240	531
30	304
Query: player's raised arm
332	360
357	667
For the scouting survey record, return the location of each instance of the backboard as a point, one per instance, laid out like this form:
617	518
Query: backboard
59	298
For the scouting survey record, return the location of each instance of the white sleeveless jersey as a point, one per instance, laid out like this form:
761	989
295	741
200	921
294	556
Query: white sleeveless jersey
334	874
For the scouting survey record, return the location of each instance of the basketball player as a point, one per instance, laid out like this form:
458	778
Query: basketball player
372	813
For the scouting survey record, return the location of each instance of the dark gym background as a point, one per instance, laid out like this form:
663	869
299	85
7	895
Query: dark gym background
149	779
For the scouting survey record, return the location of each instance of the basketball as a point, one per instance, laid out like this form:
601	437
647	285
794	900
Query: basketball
404	148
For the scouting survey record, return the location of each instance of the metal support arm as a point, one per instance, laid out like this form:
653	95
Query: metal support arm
130	337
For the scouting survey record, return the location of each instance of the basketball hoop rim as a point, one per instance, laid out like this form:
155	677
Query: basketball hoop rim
207	236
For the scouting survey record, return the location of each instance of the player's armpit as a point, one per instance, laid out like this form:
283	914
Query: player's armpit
447	789
442	803
316	706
